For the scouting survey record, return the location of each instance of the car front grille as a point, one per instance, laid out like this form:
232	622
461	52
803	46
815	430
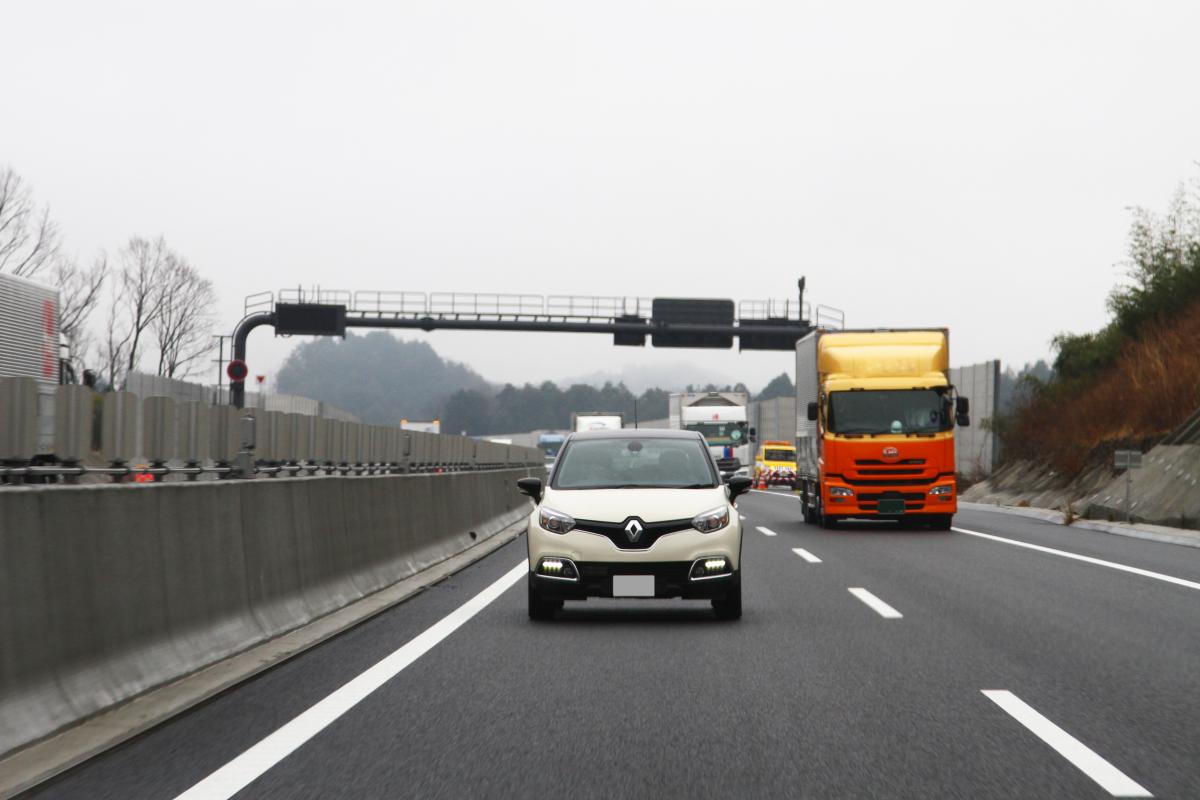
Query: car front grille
615	531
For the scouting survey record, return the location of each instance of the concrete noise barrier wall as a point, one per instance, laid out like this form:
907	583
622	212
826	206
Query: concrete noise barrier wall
108	591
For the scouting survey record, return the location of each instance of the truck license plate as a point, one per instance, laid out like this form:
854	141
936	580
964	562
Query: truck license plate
891	506
633	586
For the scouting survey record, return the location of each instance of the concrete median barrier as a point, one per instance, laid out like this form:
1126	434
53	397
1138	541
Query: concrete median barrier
108	591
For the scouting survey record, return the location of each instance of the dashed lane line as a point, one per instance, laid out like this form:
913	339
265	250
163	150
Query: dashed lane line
875	604
1111	779
807	556
766	531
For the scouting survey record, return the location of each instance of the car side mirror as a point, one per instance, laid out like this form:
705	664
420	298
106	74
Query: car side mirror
963	420
962	406
738	485
813	408
531	487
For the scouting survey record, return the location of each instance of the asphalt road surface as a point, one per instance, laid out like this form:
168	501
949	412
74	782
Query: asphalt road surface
871	662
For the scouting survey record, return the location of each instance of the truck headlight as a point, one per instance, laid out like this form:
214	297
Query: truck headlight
553	521
712	520
840	491
938	490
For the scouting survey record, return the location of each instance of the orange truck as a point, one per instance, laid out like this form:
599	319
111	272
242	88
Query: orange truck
875	426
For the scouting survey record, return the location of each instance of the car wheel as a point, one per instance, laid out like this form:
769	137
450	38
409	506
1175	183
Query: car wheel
541	608
730	606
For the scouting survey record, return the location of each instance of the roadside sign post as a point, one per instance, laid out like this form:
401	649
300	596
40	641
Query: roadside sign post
1128	460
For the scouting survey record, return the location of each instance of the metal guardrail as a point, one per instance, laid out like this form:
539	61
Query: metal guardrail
152	438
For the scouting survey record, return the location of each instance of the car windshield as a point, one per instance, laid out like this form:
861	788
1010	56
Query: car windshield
903	411
644	463
779	455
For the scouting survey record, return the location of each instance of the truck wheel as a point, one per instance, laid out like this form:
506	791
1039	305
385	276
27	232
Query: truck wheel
941	522
730	606
541	608
829	522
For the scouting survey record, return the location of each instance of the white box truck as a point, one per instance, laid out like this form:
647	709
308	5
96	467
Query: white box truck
30	345
721	418
597	421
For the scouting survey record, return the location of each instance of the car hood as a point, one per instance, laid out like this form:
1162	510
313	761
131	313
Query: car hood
617	505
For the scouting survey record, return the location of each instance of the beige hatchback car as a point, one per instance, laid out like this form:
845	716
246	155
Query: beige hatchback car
636	514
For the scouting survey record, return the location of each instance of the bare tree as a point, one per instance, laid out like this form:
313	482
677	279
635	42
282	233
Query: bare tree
79	291
183	326
144	265
29	239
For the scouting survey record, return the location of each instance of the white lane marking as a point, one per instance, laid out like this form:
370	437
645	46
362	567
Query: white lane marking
1113	781
250	765
1145	573
766	531
878	606
788	495
807	556
743	518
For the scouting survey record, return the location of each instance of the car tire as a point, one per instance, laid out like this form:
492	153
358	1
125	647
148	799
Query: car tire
541	608
730	606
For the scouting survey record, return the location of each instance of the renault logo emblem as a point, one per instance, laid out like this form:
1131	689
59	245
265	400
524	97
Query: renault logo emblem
633	529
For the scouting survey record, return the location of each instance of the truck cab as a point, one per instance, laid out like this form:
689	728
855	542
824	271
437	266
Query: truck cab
875	434
776	464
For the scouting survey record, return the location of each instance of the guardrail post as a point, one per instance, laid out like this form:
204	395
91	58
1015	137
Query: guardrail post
118	430
73	422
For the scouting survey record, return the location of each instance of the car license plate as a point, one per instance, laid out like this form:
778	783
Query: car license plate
633	586
891	506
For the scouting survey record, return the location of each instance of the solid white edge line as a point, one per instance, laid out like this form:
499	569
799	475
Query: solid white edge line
766	531
875	604
1145	573
1111	779
807	556
254	762
788	495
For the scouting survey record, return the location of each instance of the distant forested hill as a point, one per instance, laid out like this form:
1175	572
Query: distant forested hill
377	376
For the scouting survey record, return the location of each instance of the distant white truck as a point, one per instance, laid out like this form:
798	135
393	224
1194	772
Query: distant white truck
721	418
597	421
434	426
30	344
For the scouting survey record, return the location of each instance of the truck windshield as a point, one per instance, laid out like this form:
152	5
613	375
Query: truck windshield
901	411
646	463
779	455
719	432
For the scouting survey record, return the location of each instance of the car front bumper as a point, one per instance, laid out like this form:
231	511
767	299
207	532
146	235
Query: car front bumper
671	580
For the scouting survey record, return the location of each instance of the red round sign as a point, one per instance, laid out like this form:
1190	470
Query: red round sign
237	371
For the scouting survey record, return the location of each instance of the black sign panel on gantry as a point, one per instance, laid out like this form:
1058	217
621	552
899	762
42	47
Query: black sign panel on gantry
678	311
309	319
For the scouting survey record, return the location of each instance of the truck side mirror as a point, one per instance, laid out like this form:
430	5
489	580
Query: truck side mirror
531	487
962	406
753	435
812	412
963	420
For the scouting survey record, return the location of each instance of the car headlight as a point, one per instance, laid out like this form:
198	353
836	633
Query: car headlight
712	520
553	521
840	491
942	490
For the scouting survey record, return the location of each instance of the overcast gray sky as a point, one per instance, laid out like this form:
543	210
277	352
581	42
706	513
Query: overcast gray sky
958	164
